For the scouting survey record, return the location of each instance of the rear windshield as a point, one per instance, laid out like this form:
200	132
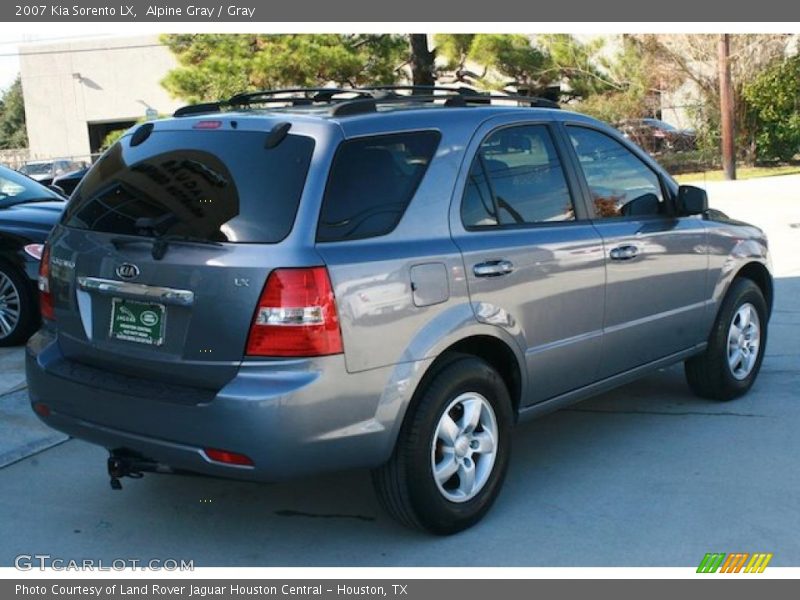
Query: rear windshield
371	183
223	186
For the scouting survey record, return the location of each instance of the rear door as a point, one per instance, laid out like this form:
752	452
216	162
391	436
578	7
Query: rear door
656	261
163	250
534	263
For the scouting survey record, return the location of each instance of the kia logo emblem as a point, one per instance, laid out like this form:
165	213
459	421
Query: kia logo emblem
127	271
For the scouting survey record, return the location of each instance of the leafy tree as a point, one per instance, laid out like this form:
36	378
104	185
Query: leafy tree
213	66
577	64
630	81
13	133
514	61
693	58
455	49
773	100
529	65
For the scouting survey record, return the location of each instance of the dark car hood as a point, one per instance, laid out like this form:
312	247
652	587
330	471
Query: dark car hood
32	215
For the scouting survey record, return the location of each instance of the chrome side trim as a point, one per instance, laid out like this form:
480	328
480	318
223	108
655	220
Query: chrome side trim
110	287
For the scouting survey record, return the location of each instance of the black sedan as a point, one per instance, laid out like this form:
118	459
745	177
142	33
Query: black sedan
28	211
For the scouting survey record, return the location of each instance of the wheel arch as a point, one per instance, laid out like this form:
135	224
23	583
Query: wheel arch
759	274
496	351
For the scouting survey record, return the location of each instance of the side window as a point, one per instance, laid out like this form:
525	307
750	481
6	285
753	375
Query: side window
620	183
516	178
371	183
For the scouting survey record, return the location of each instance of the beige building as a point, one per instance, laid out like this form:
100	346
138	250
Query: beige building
78	91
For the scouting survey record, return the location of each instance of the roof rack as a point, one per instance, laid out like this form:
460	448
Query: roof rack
312	94
360	100
429	89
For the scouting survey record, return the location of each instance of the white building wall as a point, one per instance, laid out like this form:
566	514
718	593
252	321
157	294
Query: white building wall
68	85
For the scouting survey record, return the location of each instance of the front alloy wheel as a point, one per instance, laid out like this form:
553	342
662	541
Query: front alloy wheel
732	358
744	341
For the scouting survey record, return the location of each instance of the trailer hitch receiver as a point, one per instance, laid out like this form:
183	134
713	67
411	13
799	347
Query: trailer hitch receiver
126	465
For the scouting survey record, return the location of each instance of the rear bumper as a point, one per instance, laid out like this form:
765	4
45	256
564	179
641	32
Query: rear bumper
291	417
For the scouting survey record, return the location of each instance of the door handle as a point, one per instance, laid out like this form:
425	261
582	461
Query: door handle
626	252
493	268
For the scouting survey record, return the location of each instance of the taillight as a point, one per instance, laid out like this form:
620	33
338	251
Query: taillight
296	316
45	296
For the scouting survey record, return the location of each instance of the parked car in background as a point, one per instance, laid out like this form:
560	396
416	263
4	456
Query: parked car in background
44	171
655	136
67	182
364	279
28	211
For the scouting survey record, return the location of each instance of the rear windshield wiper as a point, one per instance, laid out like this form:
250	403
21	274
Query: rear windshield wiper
161	242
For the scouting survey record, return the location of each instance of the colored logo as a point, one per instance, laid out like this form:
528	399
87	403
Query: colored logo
741	562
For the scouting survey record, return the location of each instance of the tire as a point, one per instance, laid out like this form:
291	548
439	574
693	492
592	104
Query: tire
406	485
19	316
711	374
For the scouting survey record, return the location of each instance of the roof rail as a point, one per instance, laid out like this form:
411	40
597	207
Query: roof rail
359	100
293	96
471	96
428	89
314	94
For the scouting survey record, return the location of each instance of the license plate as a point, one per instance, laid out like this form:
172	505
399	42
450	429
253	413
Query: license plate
141	322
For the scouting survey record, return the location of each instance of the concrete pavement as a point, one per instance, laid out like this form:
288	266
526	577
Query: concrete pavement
647	475
20	434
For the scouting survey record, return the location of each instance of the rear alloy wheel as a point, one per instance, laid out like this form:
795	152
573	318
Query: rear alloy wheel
17	318
464	447
453	450
732	359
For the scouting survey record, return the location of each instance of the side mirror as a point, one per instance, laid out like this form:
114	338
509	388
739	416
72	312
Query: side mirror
692	201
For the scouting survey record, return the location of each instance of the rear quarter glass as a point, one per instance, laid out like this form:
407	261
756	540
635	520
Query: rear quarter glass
372	182
223	186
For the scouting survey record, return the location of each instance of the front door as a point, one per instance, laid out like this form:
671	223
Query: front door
656	261
534	264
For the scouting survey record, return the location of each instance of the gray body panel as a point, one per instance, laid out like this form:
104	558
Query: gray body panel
575	321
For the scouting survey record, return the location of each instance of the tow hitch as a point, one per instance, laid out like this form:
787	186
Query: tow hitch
126	465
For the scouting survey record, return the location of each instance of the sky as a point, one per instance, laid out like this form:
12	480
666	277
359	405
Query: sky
9	43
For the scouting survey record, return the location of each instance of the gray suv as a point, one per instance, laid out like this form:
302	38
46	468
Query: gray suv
293	282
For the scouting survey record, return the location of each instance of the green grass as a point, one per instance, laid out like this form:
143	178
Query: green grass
741	173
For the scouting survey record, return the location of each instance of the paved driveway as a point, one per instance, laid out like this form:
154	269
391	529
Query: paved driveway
645	475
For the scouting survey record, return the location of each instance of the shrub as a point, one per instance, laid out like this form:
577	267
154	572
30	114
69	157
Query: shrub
773	99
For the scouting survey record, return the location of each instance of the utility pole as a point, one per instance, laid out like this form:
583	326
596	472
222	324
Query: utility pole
726	108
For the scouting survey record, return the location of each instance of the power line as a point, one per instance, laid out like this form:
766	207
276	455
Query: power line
53	39
80	50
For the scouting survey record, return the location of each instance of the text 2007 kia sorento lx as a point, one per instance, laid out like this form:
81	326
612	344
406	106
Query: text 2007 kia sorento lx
283	284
